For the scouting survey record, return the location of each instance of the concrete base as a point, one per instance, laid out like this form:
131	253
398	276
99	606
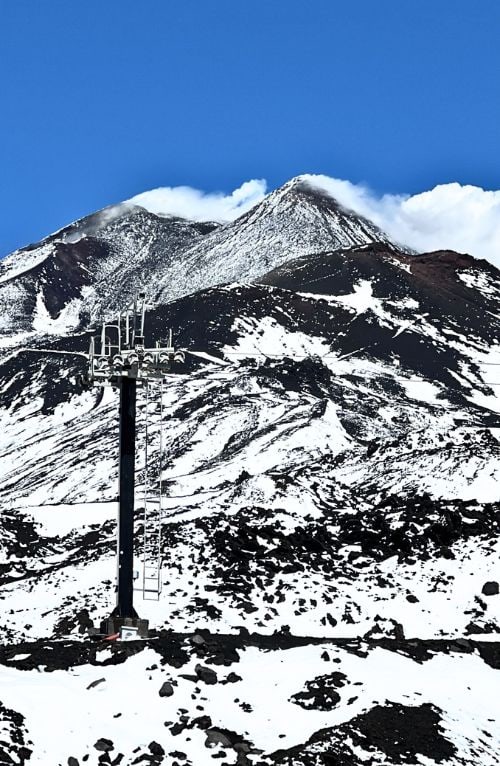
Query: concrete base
128	627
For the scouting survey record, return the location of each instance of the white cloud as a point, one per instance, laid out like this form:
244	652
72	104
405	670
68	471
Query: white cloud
197	205
450	216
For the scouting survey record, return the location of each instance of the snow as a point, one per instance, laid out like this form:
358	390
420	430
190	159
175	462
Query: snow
67	320
364	300
60	520
422	390
266	337
22	261
127	709
359	301
478	280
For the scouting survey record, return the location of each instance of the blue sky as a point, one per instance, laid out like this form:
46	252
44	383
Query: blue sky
103	100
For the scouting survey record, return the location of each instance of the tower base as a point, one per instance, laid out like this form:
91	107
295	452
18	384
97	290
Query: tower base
128	628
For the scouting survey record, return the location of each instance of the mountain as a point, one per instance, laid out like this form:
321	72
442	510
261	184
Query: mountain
88	269
295	220
330	540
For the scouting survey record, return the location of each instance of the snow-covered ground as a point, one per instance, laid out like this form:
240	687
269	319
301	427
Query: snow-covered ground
261	702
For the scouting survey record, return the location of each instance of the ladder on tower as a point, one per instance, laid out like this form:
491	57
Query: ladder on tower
151	565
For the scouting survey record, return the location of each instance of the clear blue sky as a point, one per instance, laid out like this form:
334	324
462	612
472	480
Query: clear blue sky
103	99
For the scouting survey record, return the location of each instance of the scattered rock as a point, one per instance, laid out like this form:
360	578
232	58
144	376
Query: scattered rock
490	588
385	627
104	745
320	693
205	674
166	690
411	598
96	683
217	737
202	722
156	749
232	678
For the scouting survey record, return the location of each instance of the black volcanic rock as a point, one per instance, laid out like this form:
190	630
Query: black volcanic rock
207	675
320	693
490	588
400	733
166	689
104	745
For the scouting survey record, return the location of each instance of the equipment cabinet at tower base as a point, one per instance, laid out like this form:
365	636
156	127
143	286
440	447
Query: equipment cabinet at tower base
127	627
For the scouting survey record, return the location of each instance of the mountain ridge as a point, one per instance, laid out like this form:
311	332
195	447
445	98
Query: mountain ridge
125	248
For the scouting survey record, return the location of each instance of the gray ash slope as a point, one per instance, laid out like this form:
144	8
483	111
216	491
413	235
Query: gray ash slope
331	470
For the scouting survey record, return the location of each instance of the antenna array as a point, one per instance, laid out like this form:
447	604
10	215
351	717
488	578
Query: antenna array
119	350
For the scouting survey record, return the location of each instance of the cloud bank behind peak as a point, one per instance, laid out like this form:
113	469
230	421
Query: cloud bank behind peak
449	216
186	202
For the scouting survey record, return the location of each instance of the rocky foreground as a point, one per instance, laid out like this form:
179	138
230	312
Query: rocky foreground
195	699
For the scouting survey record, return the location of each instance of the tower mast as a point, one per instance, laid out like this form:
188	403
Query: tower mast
118	357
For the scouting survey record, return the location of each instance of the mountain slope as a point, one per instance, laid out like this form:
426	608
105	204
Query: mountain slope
370	396
90	268
93	266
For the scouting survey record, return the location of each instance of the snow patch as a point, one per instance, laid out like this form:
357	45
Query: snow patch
68	319
267	338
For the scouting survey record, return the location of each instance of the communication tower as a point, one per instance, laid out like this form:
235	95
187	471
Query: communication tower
118	357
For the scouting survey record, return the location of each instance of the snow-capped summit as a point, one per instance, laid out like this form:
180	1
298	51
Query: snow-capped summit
87	268
294	220
84	270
